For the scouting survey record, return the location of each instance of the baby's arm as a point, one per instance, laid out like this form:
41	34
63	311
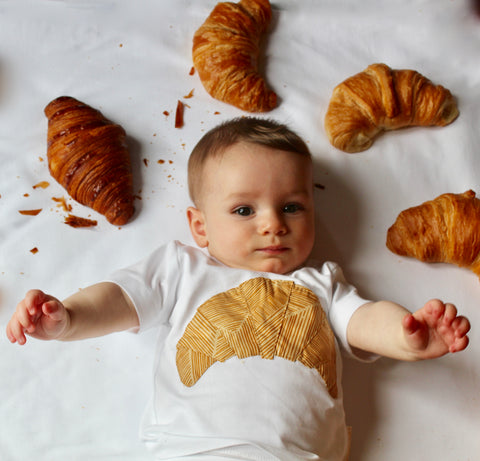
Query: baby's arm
388	329
94	311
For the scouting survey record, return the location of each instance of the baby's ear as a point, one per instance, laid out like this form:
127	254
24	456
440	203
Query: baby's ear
196	221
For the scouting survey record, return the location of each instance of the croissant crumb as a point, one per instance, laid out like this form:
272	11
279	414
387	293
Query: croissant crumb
88	156
30	212
446	229
226	52
380	99
77	221
179	115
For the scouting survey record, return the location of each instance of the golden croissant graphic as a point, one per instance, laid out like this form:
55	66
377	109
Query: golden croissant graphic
380	98
446	229
226	52
88	156
269	318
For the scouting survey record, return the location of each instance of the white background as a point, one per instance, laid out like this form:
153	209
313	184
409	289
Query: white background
131	60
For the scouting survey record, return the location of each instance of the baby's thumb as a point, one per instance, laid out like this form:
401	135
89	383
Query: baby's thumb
54	309
410	324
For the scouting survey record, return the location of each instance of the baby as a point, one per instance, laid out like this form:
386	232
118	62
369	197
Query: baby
248	363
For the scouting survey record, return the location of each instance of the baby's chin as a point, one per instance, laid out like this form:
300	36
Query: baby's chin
272	266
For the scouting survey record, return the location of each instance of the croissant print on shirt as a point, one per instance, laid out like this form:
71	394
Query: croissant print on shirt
260	317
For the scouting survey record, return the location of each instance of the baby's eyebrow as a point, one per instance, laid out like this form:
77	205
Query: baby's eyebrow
241	195
252	195
304	192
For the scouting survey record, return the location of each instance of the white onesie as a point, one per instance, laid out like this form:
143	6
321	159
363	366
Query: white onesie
247	364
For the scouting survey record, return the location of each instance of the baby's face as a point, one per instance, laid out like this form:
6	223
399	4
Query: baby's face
258	210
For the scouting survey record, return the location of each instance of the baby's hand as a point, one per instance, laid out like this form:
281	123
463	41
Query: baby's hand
436	329
39	315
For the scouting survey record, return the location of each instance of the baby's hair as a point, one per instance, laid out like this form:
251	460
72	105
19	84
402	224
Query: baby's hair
265	132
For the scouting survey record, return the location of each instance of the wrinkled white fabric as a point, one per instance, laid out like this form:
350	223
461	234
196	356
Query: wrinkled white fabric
132	60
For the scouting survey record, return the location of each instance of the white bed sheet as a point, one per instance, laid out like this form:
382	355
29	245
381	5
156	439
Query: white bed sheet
84	400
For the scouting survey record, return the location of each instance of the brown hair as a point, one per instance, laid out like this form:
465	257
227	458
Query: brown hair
255	130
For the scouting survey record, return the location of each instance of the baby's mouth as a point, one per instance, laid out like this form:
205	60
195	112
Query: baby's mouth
273	249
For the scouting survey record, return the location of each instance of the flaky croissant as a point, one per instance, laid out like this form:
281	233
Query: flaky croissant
380	98
446	229
88	156
225	53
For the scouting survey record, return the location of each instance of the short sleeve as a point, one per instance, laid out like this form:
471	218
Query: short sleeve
340	299
345	301
151	284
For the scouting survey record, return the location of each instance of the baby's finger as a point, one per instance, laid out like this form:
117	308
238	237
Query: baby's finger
23	317
459	344
461	325
15	332
435	308
450	313
11	337
34	299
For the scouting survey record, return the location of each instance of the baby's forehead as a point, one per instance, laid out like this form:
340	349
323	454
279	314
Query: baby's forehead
243	161
255	152
242	156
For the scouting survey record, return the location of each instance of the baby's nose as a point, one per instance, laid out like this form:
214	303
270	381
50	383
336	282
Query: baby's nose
273	223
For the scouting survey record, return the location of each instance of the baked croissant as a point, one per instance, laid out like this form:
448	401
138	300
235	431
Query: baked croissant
88	156
225	53
380	98
446	229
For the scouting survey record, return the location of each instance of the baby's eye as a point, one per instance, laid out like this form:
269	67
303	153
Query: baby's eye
292	208
243	211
